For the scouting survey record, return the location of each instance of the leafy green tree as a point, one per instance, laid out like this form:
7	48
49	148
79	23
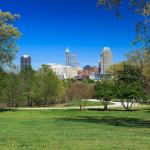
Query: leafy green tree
141	59
12	88
139	7
130	85
104	91
141	56
47	84
2	85
26	79
61	93
114	68
8	36
36	89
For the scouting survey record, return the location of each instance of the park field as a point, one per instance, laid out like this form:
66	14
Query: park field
74	130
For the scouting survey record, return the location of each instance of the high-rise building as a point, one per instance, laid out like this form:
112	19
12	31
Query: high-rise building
106	60
71	62
71	59
68	56
25	61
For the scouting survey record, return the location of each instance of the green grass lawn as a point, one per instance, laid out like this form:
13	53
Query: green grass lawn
87	103
74	130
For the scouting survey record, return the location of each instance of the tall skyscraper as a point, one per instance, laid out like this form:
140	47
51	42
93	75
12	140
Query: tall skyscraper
71	59
68	56
25	61
106	59
71	63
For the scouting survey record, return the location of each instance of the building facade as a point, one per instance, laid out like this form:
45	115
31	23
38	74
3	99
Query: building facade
68	57
71	59
71	64
25	61
106	60
88	72
63	72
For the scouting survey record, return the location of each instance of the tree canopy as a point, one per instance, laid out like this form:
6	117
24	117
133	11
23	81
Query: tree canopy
104	91
139	7
9	34
130	85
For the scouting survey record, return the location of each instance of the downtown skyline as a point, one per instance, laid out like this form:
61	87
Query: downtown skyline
49	27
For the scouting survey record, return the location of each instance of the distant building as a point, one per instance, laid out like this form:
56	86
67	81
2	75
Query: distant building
63	72
95	77
68	57
106	60
25	61
69	70
87	72
71	63
99	66
71	59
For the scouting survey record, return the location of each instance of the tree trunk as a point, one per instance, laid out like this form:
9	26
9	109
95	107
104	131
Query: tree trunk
80	105
105	106
28	101
12	102
45	95
31	103
142	103
85	103
80	108
45	101
128	107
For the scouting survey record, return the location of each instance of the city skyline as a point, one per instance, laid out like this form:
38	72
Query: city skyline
75	24
69	61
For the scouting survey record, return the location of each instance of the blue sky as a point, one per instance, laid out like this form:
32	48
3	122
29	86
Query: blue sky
50	26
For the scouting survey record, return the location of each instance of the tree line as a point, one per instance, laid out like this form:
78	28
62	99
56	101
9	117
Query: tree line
30	88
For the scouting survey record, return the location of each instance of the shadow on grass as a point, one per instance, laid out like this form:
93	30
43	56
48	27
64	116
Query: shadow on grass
7	110
114	121
123	110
